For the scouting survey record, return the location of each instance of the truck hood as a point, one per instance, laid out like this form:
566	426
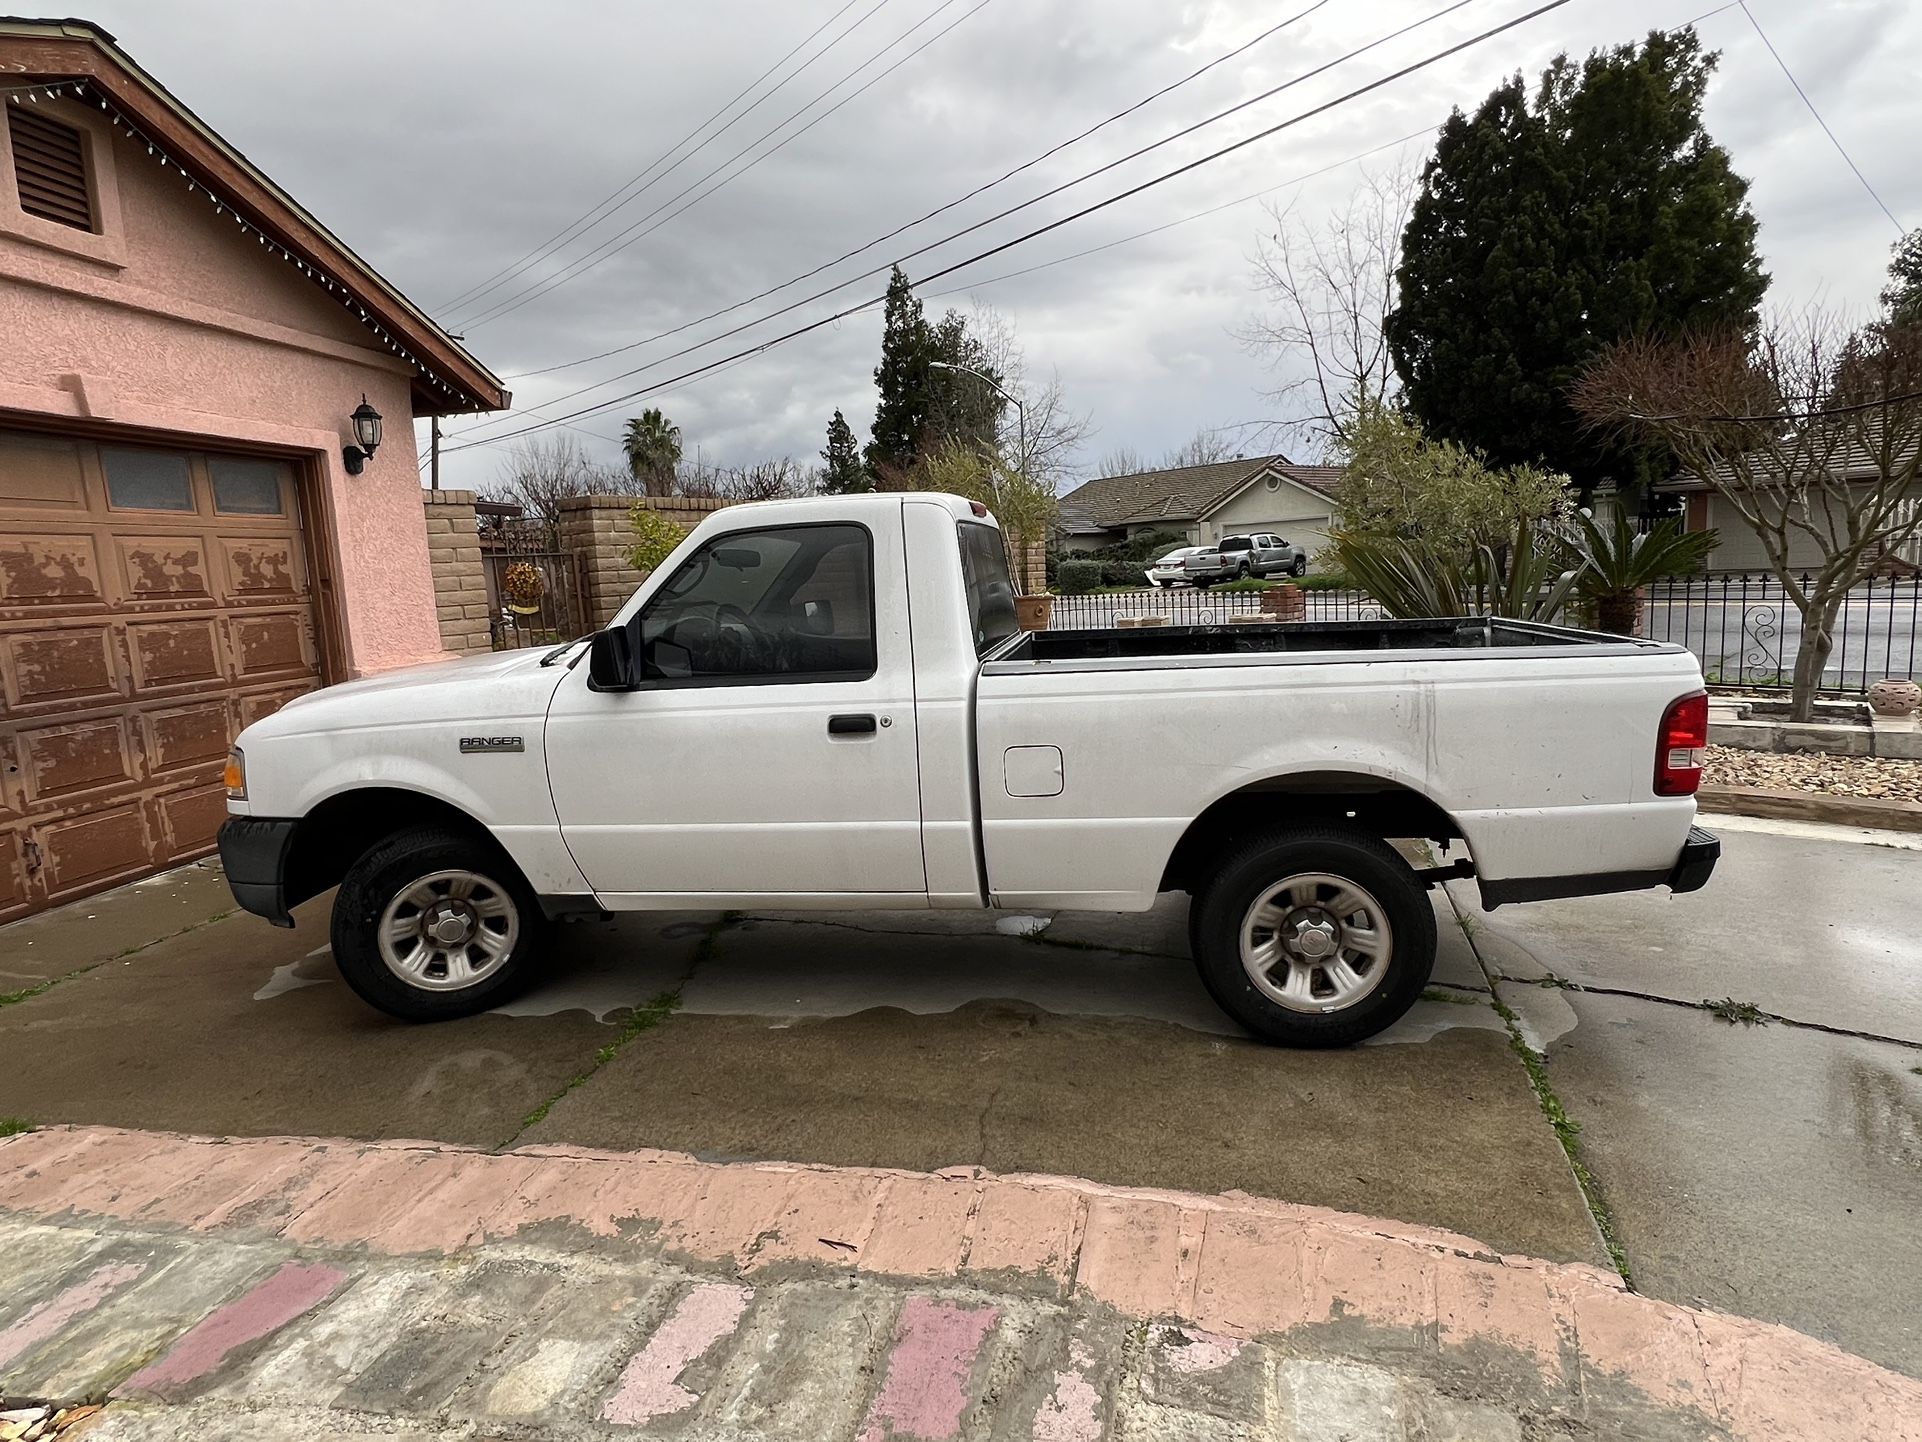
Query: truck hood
503	684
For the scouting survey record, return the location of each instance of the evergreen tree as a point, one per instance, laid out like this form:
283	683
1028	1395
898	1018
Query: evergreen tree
921	408
842	471
1903	296
1546	230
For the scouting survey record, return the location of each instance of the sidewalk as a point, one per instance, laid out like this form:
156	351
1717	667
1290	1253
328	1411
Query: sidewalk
291	1288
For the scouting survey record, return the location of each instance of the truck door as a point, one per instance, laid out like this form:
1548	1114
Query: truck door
771	749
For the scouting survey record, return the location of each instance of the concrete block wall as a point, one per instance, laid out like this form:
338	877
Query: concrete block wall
460	582
596	529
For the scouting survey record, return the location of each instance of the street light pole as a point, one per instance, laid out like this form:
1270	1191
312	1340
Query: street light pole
1020	410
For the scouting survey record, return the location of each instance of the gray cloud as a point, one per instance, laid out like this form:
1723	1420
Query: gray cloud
444	140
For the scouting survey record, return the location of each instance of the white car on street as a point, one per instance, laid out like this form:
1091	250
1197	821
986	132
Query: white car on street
827	704
1167	570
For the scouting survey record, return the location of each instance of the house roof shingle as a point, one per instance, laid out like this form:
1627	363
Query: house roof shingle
1180	493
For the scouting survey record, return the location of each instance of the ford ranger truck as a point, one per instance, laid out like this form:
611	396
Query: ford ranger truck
827	703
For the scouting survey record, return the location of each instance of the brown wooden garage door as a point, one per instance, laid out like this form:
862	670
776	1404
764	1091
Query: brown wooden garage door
152	603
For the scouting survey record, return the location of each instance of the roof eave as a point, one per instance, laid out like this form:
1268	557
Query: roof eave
78	49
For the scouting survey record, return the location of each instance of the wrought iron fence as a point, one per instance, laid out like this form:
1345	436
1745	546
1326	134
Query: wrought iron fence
1743	628
540	605
1747	631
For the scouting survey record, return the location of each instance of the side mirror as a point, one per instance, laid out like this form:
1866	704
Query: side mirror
610	661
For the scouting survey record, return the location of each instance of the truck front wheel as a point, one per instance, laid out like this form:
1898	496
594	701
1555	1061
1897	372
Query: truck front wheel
432	924
1315	936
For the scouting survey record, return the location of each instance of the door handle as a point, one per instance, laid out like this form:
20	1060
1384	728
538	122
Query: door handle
850	725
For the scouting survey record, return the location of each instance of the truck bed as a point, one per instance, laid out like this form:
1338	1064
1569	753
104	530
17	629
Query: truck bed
1163	645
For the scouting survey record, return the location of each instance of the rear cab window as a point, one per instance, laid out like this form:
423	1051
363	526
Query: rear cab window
984	570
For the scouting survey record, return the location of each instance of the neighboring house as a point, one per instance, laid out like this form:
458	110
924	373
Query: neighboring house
182	545
1738	548
1204	503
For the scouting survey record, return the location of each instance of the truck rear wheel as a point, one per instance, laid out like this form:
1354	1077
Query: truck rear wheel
1315	936
432	924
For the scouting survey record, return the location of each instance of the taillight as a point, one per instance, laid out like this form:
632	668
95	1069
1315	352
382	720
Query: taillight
1681	746
978	508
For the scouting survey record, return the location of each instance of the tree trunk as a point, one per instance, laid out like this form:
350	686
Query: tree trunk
1812	653
1618	613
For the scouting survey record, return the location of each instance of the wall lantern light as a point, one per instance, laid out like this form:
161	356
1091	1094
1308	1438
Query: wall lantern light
367	432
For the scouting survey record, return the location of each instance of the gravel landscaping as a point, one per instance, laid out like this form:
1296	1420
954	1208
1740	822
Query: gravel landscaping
1808	771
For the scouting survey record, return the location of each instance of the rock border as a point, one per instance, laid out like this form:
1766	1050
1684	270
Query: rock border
1867	811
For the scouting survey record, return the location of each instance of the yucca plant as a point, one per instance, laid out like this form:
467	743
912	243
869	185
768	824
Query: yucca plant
1617	562
1523	580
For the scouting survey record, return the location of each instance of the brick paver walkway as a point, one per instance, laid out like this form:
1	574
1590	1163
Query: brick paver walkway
288	1287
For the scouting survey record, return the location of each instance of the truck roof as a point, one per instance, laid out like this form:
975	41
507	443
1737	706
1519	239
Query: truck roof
849	507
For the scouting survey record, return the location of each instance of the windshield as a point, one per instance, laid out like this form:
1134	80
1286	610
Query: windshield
984	566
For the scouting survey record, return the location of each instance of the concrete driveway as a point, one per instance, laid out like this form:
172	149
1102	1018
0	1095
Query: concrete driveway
1768	1169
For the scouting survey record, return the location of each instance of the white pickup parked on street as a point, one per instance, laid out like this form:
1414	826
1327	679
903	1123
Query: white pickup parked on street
826	703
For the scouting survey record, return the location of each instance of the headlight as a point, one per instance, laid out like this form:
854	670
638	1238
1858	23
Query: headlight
236	776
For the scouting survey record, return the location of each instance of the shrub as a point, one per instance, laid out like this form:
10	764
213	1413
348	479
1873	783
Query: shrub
1078	577
655	538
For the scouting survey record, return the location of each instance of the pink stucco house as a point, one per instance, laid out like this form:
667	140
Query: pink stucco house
189	532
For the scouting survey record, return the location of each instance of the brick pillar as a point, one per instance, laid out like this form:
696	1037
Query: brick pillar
596	529
460	582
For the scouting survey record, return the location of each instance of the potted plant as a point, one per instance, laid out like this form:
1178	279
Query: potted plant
1617	563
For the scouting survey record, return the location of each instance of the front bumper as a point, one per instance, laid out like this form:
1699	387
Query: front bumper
253	853
1694	864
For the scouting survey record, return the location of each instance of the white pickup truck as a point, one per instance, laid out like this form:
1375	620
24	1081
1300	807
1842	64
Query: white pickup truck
826	703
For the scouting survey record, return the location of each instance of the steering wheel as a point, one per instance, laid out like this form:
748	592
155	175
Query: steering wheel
737	642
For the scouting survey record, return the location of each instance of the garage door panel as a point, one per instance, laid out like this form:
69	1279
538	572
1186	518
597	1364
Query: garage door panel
190	819
94	849
271	645
62	760
175	653
74	665
42	472
262	568
164	568
153	601
264	703
181	738
44	571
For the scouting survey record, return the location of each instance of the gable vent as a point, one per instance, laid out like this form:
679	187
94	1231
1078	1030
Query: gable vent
50	168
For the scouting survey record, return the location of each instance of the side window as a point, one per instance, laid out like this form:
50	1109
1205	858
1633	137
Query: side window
787	604
984	569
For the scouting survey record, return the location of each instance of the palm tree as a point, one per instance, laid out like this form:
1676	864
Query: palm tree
653	446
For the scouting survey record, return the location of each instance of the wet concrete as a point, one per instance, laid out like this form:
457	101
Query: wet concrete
1822	928
1767	1171
99	928
921	1046
173	1037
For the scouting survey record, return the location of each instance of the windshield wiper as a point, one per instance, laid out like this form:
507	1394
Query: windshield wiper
554	655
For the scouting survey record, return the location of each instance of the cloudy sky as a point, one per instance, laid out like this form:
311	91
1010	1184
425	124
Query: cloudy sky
446	141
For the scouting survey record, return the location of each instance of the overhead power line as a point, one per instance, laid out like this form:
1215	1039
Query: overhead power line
619	196
621	240
989	220
1180	170
627	191
1840	150
982	189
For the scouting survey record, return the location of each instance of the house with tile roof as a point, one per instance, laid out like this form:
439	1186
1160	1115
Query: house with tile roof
1204	503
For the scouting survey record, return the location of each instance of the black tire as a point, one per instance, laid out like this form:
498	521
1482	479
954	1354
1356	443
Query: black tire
1300	568
1249	868
1242	572
403	861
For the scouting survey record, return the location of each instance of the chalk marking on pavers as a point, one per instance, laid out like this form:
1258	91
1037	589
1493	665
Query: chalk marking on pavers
925	1390
56	1312
1072	1410
649	1385
297	1288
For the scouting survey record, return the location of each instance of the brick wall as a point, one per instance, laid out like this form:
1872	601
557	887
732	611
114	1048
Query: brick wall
460	583
596	529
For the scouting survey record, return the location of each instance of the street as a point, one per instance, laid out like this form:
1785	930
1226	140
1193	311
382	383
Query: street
1767	1169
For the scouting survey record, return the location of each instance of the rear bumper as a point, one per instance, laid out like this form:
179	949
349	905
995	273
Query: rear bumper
253	853
1691	871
